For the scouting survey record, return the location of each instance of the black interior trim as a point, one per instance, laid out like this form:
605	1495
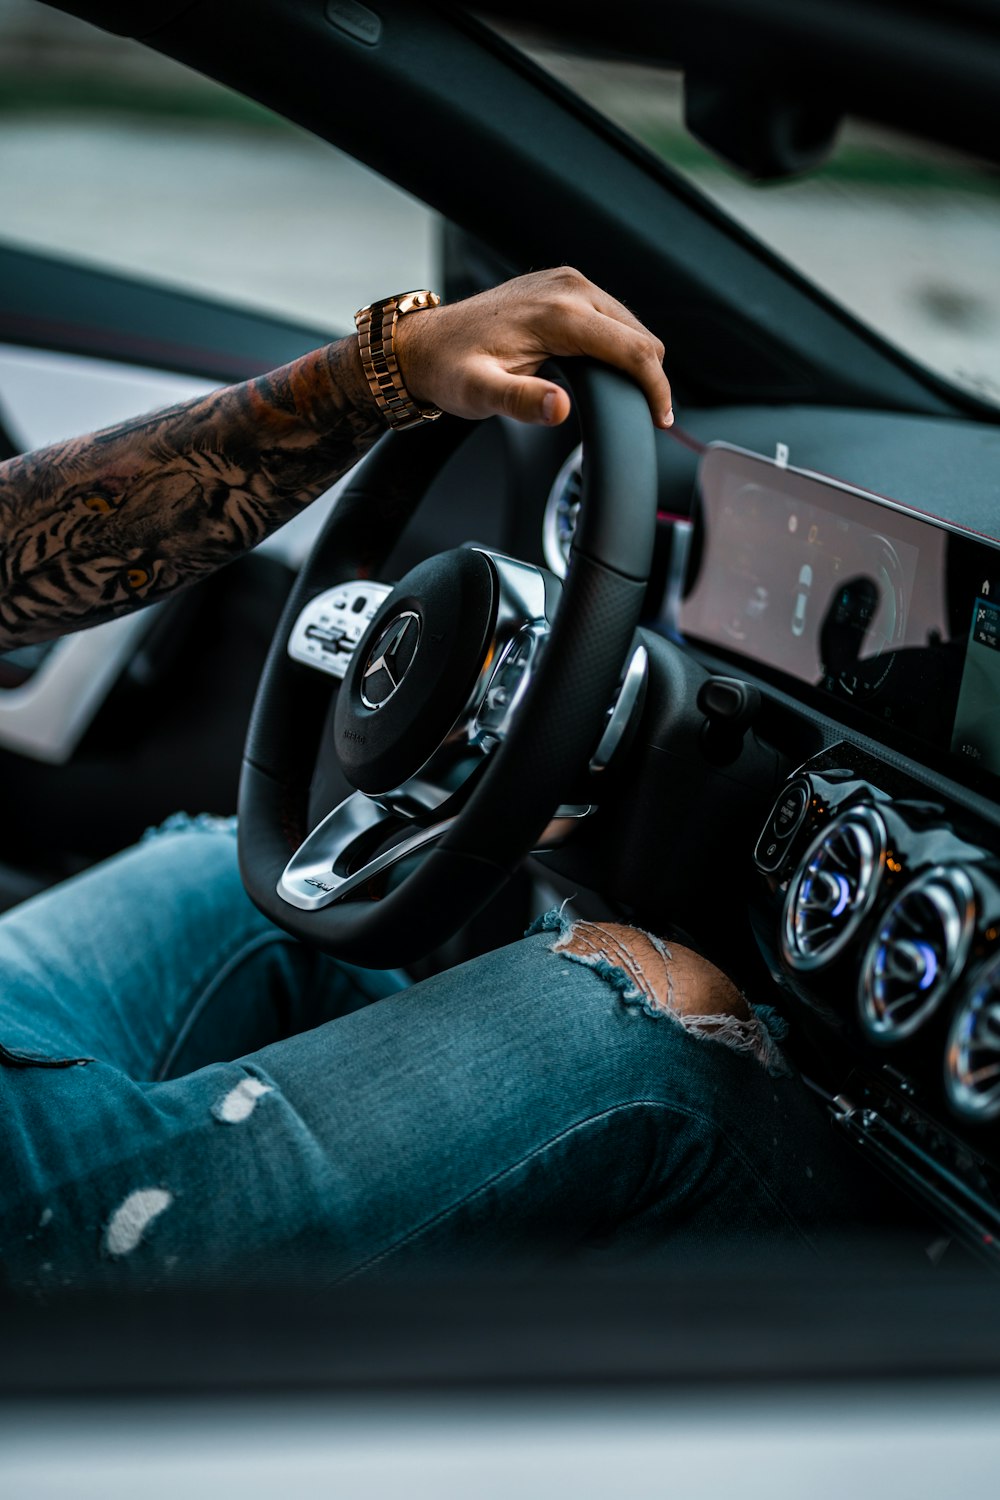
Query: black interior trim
865	1314
883	60
50	303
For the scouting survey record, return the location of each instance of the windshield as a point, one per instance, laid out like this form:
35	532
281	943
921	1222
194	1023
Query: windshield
902	233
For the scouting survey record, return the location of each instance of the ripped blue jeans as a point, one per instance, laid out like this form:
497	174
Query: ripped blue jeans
186	1094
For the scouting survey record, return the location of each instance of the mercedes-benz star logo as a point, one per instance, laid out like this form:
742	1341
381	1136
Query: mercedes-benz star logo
390	660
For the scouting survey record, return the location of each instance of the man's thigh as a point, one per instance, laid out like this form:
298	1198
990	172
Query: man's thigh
517	1105
156	962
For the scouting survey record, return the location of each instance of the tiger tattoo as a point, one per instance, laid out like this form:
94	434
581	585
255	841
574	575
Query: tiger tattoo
95	527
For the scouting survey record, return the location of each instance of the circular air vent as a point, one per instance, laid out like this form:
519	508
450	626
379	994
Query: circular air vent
972	1066
834	888
561	511
917	953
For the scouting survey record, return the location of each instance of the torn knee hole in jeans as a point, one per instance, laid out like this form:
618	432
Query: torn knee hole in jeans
672	983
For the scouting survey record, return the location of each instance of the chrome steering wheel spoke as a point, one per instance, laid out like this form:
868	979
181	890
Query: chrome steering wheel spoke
337	858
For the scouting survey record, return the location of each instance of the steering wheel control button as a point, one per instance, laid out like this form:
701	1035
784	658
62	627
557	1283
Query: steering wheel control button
413	674
327	636
330	626
390	659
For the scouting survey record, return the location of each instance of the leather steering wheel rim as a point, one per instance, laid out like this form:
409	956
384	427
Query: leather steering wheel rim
554	732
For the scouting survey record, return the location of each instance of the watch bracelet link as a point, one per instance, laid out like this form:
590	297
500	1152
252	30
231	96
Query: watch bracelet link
376	325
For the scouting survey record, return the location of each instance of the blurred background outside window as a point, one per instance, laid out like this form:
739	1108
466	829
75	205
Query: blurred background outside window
903	233
117	157
114	156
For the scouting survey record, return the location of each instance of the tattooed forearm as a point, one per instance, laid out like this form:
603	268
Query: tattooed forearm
92	528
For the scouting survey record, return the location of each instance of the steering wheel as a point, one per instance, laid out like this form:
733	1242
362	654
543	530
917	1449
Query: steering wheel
460	704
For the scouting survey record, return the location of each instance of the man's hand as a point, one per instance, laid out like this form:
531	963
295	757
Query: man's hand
478	358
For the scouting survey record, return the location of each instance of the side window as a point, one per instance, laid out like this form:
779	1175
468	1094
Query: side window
46	396
116	157
903	233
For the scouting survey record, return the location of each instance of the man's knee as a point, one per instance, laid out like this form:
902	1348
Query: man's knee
671	982
672	979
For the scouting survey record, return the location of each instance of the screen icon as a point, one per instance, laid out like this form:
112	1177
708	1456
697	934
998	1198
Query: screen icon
985	590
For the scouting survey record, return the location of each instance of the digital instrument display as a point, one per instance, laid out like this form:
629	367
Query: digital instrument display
893	614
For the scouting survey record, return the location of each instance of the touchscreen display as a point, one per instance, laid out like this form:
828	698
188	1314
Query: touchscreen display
893	614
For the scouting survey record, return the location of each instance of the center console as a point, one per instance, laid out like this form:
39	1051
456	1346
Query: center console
879	915
877	897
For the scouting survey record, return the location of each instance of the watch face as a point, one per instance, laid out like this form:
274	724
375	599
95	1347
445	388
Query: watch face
416	301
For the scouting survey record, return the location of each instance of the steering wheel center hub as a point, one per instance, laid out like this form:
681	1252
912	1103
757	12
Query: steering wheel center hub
414	670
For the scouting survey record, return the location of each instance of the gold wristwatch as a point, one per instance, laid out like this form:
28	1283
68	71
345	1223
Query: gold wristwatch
376	326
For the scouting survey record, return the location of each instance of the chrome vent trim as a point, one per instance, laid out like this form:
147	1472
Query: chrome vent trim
561	511
833	889
972	1063
917	953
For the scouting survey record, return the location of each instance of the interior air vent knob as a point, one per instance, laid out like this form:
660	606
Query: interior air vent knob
917	953
833	889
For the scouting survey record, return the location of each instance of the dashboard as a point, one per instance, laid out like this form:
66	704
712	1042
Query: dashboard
877	907
868	632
